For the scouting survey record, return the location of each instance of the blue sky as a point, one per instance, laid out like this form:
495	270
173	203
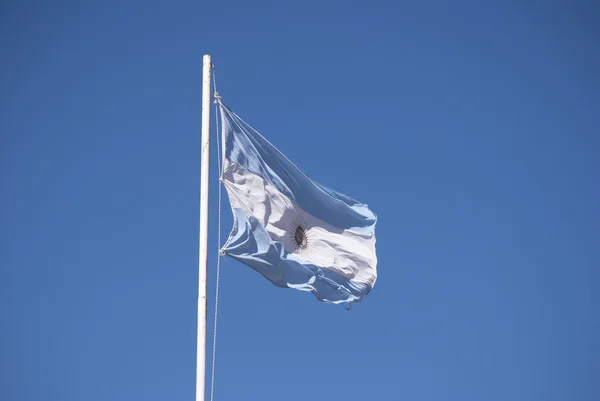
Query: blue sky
471	130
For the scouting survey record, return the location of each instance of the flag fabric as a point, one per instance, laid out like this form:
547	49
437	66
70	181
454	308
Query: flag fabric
292	230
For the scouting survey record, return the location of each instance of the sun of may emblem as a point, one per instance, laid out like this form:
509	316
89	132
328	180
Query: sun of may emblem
299	234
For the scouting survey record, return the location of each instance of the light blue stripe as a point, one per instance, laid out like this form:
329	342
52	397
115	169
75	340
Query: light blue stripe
246	147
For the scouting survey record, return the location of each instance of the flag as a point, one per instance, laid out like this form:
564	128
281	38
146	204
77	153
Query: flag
292	230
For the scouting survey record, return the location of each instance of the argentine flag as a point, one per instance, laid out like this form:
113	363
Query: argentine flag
292	230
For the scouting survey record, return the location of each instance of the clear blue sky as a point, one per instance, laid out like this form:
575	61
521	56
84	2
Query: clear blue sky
471	130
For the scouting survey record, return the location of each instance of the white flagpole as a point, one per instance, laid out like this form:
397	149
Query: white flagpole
203	252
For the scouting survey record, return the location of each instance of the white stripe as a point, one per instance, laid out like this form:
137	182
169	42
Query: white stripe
347	253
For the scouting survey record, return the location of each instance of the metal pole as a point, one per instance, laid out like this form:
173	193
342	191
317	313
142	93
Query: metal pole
203	252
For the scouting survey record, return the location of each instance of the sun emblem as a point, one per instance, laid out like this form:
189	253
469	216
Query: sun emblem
300	239
299	234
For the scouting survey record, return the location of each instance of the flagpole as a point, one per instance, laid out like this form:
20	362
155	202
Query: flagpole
203	251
